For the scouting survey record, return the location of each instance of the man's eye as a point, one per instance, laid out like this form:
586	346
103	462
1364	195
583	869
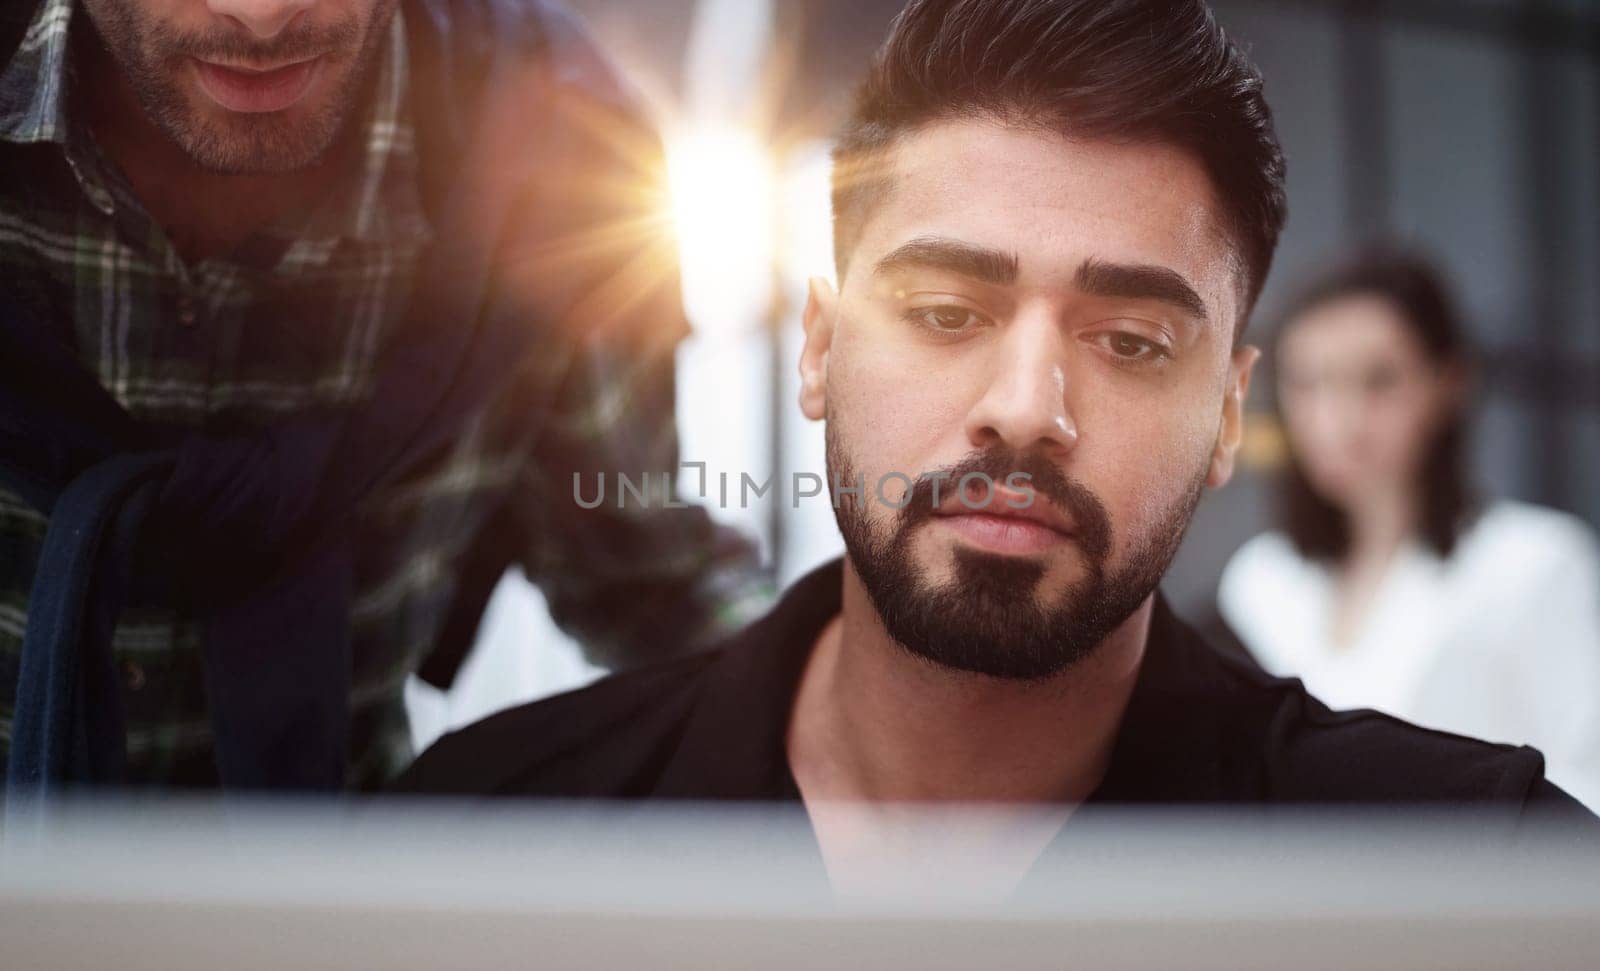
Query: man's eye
945	320
1133	348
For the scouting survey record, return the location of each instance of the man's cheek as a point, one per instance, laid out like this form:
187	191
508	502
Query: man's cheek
900	429
1139	484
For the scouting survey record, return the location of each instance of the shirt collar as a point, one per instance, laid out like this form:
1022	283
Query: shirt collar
33	86
1168	747
735	744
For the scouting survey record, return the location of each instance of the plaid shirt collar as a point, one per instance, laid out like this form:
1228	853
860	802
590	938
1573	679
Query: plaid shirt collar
33	87
384	206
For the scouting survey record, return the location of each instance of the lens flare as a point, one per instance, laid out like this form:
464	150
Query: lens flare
724	199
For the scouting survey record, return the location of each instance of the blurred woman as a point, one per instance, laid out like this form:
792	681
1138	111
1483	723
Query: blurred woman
1389	584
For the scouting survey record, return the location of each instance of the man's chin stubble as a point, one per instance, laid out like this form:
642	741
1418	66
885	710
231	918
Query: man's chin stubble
258	152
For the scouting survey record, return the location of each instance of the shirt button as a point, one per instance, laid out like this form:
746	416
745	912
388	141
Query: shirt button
133	674
101	199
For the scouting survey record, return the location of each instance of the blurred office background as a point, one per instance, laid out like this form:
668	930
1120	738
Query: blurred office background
1468	127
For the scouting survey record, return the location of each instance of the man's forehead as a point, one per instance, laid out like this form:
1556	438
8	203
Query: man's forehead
1053	201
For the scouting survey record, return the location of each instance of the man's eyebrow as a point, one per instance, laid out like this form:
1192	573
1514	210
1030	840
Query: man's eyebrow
1140	282
939	253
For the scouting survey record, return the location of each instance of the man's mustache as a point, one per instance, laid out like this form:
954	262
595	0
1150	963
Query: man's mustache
235	46
1088	514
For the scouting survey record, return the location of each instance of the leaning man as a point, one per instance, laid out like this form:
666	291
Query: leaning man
311	312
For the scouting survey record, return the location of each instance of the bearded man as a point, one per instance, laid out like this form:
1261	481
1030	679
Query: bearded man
1052	218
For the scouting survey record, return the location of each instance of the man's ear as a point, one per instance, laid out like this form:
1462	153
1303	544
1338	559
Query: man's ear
822	307
1231	433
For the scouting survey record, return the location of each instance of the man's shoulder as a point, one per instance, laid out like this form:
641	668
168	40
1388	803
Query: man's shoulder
1305	752
480	36
493	81
491	21
607	740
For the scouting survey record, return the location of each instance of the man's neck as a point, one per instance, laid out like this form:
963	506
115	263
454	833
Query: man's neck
204	213
873	723
876	735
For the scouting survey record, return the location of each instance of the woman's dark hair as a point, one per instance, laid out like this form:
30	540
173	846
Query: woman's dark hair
1161	71
1408	281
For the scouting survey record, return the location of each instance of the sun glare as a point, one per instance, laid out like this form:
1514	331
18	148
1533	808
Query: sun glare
724	203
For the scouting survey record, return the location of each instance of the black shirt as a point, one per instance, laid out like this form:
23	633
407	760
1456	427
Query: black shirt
1201	728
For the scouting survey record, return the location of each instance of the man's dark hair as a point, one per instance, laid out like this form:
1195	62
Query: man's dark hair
1161	71
1409	282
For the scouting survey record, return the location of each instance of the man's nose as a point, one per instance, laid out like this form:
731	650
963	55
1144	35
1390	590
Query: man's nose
1024	404
263	18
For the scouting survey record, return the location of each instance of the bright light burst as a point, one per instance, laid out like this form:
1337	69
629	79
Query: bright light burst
724	201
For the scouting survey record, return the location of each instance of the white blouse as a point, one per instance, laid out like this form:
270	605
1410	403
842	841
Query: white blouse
1501	641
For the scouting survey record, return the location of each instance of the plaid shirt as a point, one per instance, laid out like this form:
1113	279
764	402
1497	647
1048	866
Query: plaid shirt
294	319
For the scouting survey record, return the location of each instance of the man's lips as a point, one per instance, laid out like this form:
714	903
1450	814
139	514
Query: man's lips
1008	503
255	90
1001	526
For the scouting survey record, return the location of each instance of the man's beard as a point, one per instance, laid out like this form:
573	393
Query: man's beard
153	58
987	617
